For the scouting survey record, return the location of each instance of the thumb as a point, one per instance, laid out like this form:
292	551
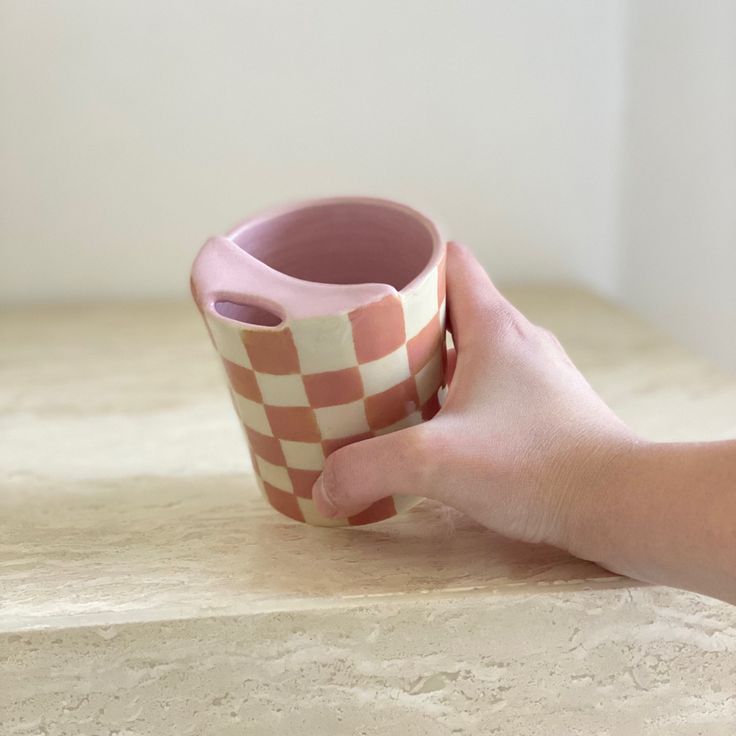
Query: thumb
357	475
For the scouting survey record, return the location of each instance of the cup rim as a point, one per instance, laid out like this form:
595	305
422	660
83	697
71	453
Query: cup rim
269	213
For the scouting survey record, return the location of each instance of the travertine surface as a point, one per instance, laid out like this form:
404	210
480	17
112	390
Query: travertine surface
146	589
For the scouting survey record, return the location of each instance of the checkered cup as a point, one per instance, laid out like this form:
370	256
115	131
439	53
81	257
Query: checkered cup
329	317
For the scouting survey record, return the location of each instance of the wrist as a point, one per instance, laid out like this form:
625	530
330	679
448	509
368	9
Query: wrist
594	519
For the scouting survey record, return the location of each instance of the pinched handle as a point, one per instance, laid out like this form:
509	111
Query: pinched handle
223	271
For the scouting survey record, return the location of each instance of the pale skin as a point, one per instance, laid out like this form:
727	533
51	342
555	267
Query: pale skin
525	446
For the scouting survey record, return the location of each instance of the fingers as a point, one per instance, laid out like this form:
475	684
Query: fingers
479	316
359	474
473	301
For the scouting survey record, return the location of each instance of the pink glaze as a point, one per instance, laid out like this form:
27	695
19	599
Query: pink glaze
314	258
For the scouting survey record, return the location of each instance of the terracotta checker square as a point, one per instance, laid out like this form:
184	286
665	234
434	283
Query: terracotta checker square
333	387
303	481
284	502
378	329
296	423
271	351
242	380
391	405
267	447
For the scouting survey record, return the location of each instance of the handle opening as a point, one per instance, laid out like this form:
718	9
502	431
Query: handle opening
250	314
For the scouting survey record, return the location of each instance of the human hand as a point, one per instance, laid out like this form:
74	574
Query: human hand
521	442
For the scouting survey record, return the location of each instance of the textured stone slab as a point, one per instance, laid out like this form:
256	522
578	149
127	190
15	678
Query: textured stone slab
146	589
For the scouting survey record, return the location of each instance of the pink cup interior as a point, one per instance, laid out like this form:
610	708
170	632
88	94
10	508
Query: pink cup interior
353	242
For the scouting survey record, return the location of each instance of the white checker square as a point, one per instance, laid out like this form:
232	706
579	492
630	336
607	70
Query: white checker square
311	515
276	475
380	375
429	378
420	305
252	414
285	390
303	455
412	420
342	420
325	343
227	341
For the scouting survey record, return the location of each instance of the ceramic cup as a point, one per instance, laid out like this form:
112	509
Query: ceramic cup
329	317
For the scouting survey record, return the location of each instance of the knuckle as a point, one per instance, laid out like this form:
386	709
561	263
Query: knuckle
421	450
516	329
415	443
547	334
512	325
549	339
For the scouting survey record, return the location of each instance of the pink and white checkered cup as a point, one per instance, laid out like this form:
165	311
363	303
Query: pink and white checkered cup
329	317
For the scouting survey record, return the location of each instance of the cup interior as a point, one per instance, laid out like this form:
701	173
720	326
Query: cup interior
343	242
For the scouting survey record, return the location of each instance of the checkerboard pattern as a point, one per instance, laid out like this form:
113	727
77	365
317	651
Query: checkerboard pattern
311	386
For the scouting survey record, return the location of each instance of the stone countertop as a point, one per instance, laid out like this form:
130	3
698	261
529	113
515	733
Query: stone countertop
145	587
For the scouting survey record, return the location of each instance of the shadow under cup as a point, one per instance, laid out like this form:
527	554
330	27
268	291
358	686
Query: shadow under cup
329	317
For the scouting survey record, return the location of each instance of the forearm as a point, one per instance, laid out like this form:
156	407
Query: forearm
665	513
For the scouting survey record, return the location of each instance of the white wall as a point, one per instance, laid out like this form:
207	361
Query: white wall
678	217
132	130
565	140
